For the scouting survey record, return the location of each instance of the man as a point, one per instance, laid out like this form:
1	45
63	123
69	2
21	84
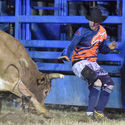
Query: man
85	43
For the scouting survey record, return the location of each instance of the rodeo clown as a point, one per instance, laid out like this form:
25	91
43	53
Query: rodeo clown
86	42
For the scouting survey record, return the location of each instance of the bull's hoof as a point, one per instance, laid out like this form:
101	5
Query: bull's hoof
48	116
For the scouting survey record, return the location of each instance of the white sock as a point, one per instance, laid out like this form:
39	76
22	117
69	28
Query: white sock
89	113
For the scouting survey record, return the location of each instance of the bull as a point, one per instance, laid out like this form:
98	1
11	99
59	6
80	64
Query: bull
20	75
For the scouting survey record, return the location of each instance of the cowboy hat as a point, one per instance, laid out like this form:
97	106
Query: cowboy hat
94	14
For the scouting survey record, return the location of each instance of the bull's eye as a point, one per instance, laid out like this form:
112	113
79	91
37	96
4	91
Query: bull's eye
40	81
43	79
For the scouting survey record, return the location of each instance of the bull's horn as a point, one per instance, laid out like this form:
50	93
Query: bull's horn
55	75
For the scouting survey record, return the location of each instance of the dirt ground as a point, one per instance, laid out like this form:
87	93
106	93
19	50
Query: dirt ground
15	116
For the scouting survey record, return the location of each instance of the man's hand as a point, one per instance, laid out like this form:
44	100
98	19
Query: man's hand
113	45
64	57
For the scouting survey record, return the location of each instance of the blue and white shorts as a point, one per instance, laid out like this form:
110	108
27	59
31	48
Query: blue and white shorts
79	66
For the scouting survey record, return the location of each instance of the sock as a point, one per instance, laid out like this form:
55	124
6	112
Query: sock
93	97
103	99
89	113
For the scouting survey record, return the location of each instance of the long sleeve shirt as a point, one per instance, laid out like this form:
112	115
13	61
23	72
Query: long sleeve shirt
86	43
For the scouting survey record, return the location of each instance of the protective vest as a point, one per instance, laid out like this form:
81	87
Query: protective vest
90	53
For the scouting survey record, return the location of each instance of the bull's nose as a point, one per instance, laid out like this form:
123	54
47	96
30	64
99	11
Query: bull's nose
46	92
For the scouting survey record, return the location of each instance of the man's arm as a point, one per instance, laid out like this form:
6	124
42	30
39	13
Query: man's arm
66	54
104	48
113	45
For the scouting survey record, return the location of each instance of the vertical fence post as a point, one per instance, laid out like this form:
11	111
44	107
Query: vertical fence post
65	8
23	27
56	5
28	25
123	21
64	12
17	24
123	53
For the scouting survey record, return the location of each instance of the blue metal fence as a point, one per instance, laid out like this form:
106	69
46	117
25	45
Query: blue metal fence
70	90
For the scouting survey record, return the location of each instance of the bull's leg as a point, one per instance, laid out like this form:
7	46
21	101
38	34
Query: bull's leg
4	86
0	105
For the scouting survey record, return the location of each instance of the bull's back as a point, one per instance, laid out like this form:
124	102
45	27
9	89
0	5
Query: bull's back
12	52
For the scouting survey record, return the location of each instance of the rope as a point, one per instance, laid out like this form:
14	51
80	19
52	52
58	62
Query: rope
17	85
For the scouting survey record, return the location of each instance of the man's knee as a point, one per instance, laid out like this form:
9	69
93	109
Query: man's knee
110	87
98	83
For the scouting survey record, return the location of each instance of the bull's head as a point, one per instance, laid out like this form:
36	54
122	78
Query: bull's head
43	85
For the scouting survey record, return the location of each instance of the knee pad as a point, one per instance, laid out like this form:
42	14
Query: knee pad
89	75
106	89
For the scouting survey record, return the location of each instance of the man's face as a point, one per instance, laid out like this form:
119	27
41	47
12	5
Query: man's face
93	26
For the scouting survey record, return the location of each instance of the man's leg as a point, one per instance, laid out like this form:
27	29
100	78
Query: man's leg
104	96
93	96
95	85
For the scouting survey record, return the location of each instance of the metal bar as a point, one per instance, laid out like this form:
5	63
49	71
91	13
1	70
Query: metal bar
45	43
66	19
56	5
91	0
10	19
17	8
60	5
28	26
45	8
54	66
17	25
123	21
51	43
55	55
66	7
68	67
123	32
23	24
58	19
62	8
24	7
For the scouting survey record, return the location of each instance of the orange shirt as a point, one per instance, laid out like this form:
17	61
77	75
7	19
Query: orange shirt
90	53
